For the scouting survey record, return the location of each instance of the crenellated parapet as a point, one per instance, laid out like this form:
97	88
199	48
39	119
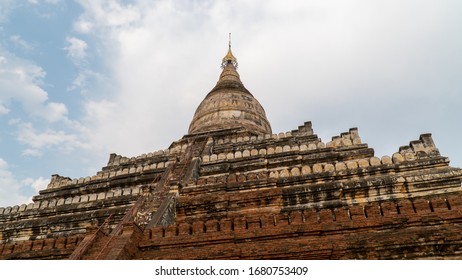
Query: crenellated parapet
375	230
49	248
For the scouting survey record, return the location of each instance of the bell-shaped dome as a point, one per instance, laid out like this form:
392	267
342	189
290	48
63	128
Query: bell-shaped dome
230	105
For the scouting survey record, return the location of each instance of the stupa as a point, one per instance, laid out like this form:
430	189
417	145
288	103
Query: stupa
231	189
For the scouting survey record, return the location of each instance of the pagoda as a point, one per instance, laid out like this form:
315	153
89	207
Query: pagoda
231	189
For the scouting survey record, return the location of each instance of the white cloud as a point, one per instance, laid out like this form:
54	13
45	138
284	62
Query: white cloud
85	78
19	42
32	153
37	184
338	64
3	110
21	80
106	13
76	48
35	2
7	6
39	140
83	26
10	188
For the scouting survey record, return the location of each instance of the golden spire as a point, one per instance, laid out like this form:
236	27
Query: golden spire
229	58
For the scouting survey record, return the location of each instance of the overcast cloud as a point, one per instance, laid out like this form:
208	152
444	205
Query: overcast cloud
390	67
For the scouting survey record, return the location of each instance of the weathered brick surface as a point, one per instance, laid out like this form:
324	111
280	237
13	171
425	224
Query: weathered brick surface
391	236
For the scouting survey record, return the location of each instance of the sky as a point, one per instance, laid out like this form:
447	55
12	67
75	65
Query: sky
82	79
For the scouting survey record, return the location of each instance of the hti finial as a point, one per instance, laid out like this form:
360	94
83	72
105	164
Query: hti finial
229	58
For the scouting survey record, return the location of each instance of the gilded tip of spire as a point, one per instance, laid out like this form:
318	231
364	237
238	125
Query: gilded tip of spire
229	42
229	58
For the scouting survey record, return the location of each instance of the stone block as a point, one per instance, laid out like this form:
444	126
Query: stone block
274	174
329	168
241	178
44	204
221	156
127	191
254	152
317	168
374	161
386	160
340	166
117	192
101	196
284	173
92	197
278	149
30	206
356	141
306	170
68	200
2	210
409	156
362	163
230	156
295	172
15	209
352	164
21	208
397	158
262	152
184	229
135	190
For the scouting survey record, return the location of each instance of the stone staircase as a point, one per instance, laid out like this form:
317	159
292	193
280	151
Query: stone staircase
154	208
